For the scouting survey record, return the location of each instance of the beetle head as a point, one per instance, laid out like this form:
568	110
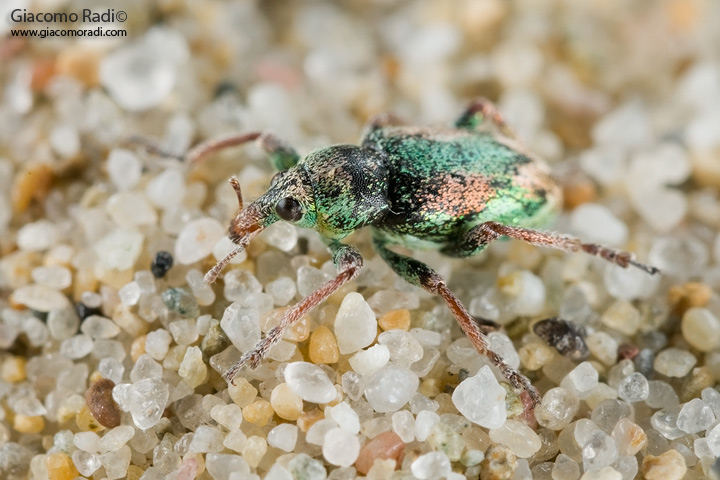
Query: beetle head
289	198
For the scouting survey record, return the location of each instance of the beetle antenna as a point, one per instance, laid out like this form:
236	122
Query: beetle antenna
236	186
214	272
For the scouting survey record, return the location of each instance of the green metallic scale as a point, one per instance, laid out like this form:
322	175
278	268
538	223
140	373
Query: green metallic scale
455	189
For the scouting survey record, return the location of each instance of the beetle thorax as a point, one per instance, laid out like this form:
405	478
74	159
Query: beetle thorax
349	185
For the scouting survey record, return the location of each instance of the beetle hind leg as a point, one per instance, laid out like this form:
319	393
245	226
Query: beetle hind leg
419	274
482	109
478	238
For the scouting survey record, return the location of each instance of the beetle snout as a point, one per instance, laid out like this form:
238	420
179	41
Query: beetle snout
246	225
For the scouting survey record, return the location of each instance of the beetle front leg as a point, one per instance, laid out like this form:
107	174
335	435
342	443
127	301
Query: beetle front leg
282	155
480	236
379	121
419	274
348	261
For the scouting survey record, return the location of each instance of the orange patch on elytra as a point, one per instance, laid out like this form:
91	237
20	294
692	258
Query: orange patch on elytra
461	196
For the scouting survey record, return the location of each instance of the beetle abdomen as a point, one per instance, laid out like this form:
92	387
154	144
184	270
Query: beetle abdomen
445	181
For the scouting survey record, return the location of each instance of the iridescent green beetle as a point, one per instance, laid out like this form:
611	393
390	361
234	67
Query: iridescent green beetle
455	189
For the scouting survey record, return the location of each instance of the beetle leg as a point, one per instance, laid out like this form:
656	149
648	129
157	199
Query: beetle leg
348	260
480	236
419	274
381	120
282	155
482	109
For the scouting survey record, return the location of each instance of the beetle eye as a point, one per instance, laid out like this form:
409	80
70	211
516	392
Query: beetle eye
289	209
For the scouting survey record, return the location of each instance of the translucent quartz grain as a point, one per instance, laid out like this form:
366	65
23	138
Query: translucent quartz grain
56	276
203	293
242	392
581	380
223	465
281	235
695	416
596	223
86	463
316	432
629	283
701	328
598	451
197	239
603	347
674	362
679	255
521	439
282	289
62	323
183	331
340	447
157	343
286	403
557	408
124	168
404	425
254	450
383	301
145	367
310	382
609	412
206	439
229	416
481	399
192	368
310	279
431	465
344	415
131	210
661	395
238	284
565	468
355	324
242	326
139	75
303	466
403	348
284	437
119	249
525	290
40	297
623	317
605	473
634	388
390	388
37	236
114	439
223	247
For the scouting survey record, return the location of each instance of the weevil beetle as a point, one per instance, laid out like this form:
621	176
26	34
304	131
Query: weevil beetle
455	189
